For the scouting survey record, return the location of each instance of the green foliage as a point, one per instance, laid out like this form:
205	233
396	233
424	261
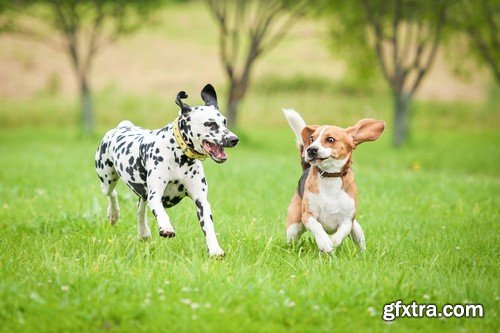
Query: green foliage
351	29
349	40
3	17
114	17
475	25
471	30
9	14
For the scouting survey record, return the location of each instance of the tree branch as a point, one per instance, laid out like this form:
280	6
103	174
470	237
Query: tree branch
379	39
284	29
93	45
485	51
408	39
69	32
490	23
38	37
432	55
219	10
398	81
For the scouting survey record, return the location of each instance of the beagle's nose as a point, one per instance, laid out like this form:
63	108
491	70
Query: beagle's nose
312	151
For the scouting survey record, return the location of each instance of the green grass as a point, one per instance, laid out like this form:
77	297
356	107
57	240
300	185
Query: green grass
430	212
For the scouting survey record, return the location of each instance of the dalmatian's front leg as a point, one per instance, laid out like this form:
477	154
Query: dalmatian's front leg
207	226
197	190
155	204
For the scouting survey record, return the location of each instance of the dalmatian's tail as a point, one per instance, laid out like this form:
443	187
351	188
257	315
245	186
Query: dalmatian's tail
125	123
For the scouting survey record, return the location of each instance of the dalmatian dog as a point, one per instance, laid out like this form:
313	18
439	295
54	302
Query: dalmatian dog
163	166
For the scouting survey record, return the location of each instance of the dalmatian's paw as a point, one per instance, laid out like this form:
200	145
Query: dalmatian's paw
145	238
216	253
113	215
167	233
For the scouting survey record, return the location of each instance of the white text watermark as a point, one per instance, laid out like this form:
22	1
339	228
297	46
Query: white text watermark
398	309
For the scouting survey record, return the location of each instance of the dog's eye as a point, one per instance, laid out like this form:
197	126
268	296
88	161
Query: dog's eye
312	138
330	140
211	124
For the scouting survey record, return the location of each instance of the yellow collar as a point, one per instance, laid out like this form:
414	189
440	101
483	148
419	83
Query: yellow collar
189	152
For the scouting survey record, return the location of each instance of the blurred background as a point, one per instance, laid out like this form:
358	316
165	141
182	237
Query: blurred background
86	65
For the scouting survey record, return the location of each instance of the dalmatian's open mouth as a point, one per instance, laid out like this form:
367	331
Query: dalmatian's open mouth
215	151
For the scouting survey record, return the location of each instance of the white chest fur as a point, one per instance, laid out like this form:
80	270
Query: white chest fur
331	206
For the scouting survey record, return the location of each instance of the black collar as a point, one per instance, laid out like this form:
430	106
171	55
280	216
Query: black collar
325	174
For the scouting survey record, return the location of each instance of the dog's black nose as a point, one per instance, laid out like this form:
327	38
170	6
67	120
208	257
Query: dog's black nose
232	141
312	151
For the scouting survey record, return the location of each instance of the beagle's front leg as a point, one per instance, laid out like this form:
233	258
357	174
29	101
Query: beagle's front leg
324	242
342	231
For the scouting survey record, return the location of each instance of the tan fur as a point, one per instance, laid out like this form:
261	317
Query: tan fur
366	130
307	132
349	186
294	211
305	212
342	146
312	181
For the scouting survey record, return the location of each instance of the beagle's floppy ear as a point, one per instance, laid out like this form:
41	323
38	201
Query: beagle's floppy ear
306	134
209	96
184	107
366	130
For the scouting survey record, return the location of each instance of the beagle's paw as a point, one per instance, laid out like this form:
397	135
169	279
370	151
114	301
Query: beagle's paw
325	244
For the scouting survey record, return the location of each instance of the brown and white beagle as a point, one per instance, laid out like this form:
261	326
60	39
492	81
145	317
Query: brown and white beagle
326	199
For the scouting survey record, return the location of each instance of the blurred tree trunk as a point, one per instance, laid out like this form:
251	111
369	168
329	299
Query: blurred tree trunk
233	101
82	73
86	105
247	29
401	118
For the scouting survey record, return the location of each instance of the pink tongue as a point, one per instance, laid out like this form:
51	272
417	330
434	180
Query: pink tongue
218	151
215	150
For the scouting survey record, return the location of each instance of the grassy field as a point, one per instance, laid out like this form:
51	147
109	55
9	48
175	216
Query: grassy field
430	213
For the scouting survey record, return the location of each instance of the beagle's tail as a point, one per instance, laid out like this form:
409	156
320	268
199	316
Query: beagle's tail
297	124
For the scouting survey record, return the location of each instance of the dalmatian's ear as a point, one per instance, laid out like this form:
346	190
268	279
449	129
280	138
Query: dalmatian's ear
184	107
209	96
